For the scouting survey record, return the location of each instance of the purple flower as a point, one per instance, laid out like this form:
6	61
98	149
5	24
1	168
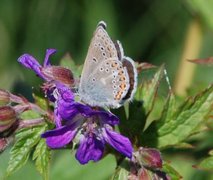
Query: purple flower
31	63
94	128
51	74
91	128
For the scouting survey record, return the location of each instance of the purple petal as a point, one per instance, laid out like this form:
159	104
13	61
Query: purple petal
49	52
119	142
69	110
82	109
65	92
90	149
66	110
65	102
57	118
59	137
30	62
106	117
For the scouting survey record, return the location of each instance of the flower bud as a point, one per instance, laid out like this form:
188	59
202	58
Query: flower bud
58	73
4	142
7	117
4	97
144	174
150	157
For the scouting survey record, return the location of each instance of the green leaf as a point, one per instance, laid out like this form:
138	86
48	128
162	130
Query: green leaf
122	170
26	139
147	90
206	164
42	156
168	111
68	62
30	114
171	172
120	174
184	146
175	126
40	101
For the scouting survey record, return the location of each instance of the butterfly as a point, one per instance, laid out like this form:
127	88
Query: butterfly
108	77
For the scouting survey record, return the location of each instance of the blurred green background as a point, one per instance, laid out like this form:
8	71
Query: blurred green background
154	31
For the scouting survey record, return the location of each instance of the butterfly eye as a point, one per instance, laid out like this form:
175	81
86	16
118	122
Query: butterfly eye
101	69
107	70
93	79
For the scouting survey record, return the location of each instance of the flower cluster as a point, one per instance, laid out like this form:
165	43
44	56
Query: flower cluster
11	107
93	128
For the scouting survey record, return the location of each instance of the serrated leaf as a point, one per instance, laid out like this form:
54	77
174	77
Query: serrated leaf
26	139
69	63
206	164
171	172
147	91
41	156
167	113
188	117
169	109
178	124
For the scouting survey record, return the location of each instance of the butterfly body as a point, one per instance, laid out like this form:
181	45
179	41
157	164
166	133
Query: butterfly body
108	77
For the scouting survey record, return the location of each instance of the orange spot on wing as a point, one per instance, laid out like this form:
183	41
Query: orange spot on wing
123	86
